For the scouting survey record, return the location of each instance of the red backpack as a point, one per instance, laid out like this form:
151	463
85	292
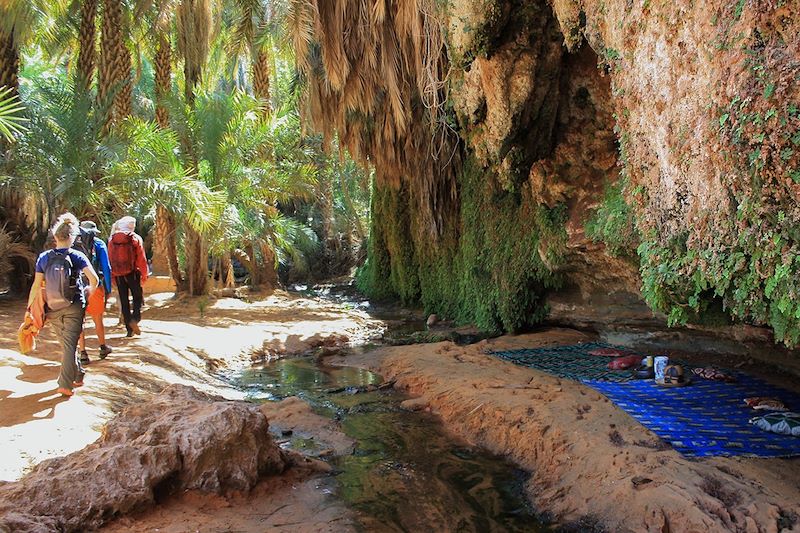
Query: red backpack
122	254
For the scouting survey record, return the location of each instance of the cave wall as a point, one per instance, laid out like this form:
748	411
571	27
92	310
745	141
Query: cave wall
638	150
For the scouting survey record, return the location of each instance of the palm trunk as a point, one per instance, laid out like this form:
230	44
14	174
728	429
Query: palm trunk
260	69
115	64
9	62
226	268
165	249
252	266
87	53
269	274
165	258
163	82
196	263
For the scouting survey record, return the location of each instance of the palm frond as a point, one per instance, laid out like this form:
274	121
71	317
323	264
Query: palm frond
11	119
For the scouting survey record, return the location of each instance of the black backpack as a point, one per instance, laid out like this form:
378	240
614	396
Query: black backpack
60	280
85	243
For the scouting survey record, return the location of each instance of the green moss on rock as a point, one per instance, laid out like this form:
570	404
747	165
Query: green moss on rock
491	270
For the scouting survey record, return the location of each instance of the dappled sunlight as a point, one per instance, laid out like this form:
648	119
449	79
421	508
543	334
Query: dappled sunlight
178	345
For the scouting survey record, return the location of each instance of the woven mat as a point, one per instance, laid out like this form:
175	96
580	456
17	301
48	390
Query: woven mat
571	362
705	418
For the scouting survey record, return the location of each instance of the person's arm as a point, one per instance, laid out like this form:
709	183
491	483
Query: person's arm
102	258
141	259
91	275
37	286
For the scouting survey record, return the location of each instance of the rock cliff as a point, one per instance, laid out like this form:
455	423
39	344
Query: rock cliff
646	150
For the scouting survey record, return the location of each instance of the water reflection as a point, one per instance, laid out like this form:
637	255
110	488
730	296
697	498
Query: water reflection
406	473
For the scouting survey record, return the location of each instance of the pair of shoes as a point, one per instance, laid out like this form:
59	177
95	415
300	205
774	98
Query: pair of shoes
63	391
85	357
135	328
104	351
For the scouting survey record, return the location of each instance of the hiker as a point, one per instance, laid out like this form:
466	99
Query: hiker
129	268
65	296
95	249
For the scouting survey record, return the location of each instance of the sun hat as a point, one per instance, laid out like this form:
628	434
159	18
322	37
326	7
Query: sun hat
90	227
126	224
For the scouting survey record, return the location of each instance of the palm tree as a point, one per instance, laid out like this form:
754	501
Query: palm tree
114	83
229	142
251	31
194	25
87	39
156	23
57	160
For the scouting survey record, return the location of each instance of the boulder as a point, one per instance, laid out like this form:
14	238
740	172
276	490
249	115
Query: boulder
180	439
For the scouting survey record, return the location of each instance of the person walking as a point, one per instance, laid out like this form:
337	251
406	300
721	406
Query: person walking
65	296
95	249
129	269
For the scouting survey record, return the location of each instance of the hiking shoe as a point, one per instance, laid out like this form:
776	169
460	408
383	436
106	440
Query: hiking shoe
104	351
129	334
135	328
85	357
63	391
76	384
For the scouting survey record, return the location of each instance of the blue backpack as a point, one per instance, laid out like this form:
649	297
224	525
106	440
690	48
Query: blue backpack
60	279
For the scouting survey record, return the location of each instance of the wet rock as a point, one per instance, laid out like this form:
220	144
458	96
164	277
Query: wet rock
181	439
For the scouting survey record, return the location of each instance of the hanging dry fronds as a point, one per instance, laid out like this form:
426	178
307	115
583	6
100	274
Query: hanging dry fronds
194	23
376	74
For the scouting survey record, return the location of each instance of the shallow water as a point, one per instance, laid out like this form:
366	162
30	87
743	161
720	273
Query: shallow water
406	473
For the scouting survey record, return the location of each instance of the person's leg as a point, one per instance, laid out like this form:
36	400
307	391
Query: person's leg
69	323
123	287
101	335
138	297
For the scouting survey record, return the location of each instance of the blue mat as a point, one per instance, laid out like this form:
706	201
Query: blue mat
705	418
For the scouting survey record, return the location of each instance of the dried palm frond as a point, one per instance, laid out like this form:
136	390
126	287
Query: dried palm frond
10	248
376	73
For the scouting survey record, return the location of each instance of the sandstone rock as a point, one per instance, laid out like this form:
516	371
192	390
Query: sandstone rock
414	404
181	439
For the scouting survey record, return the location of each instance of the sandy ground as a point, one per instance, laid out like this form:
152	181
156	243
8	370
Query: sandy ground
583	451
178	345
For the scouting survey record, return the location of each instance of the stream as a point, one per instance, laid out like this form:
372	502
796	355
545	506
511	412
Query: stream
406	472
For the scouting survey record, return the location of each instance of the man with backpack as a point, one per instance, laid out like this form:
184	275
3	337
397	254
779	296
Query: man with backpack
129	268
95	249
65	294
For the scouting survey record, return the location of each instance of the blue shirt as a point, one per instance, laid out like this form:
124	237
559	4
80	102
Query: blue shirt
79	261
102	264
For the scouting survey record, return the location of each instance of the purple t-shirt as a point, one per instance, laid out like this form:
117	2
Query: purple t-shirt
79	261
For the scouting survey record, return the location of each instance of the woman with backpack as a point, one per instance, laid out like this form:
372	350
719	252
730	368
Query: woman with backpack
65	296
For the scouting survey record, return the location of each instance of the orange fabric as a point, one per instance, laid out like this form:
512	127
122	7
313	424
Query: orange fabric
97	302
37	310
31	324
27	335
